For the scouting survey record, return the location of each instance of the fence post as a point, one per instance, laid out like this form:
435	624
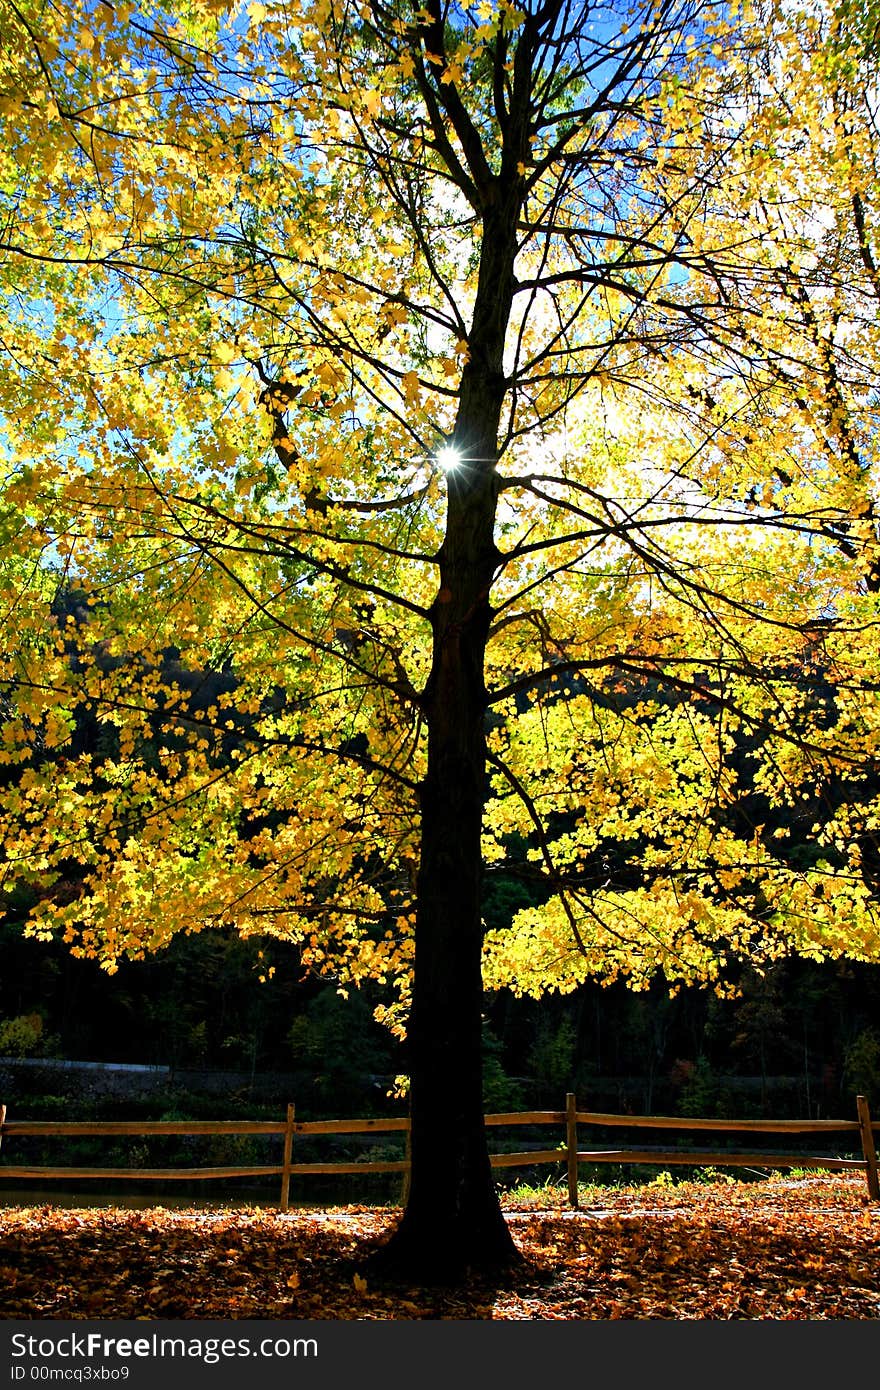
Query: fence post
407	1172
868	1147
571	1145
286	1160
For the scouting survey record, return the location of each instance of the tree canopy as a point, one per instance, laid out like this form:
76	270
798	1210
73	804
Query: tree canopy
428	430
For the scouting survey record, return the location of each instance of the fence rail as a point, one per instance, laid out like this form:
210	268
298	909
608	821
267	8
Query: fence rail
568	1153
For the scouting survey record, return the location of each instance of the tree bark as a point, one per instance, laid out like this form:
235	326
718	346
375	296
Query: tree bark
453	1220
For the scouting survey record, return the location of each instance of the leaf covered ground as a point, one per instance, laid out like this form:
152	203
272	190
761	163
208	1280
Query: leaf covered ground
783	1249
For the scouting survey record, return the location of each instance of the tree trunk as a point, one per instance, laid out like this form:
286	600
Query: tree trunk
453	1220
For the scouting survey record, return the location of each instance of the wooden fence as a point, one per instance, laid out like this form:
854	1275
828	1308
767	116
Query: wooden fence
569	1153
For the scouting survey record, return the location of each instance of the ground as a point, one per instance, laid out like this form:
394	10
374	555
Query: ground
804	1248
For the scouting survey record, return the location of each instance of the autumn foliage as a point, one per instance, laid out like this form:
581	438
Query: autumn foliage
784	1249
223	618
481	398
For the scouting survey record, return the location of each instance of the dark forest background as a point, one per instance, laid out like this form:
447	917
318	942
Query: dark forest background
801	1039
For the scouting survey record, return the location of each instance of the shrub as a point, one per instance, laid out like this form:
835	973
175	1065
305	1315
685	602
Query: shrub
22	1036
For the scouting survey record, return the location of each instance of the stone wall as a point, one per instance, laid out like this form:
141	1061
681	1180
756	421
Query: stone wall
21	1078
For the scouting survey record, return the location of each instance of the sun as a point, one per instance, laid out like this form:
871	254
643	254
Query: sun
448	458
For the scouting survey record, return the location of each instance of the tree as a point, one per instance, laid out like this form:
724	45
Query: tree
402	362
